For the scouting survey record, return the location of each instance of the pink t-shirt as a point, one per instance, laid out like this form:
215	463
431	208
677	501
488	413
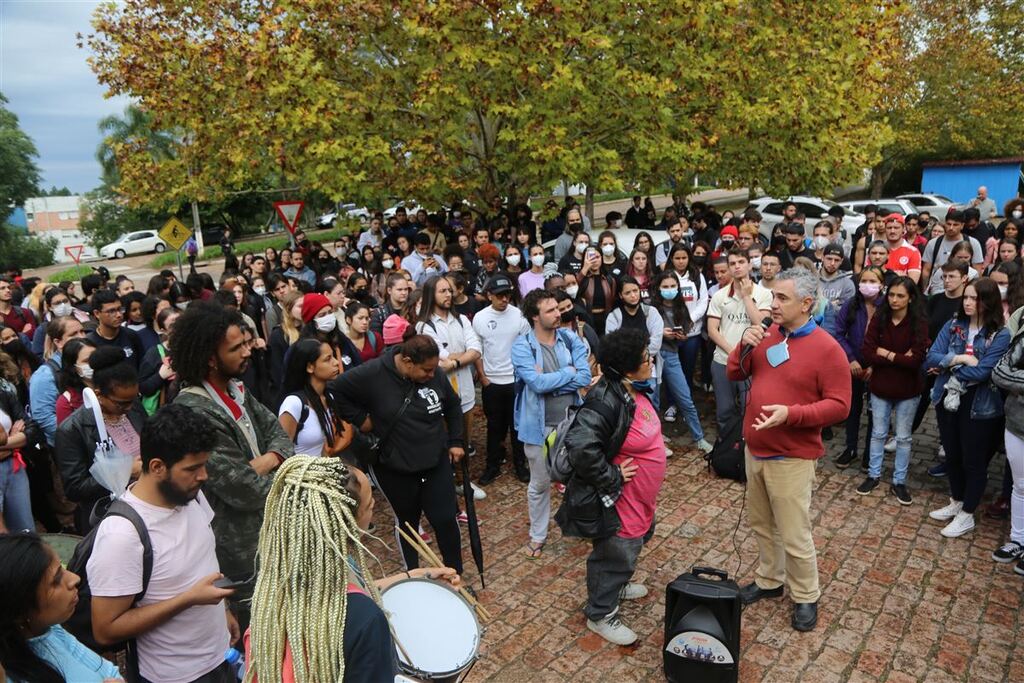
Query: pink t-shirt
640	495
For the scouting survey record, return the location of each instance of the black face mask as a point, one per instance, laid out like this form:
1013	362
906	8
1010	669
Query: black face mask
575	227
14	347
359	294
699	261
568	317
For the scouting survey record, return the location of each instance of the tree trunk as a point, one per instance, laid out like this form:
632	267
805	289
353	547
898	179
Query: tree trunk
589	203
513	198
877	181
565	188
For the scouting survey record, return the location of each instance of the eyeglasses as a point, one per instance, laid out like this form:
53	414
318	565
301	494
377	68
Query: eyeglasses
113	311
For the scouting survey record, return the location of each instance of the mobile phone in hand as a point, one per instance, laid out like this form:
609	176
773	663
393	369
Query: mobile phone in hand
228	584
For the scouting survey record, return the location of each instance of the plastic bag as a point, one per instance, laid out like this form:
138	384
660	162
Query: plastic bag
111	467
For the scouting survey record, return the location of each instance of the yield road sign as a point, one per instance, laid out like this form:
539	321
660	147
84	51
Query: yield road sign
174	233
75	252
289	213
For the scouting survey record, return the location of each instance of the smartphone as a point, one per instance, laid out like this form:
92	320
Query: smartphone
677	328
228	583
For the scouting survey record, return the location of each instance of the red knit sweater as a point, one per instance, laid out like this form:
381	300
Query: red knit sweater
814	383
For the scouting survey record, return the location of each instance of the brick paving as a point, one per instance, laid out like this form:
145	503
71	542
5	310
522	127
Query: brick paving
899	602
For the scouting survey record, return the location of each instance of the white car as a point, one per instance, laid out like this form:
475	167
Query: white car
813	208
935	204
139	242
411	207
901	206
348	211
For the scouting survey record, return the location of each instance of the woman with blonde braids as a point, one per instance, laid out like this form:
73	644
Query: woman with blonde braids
309	547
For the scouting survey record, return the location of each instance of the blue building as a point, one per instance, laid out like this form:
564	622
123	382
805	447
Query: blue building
959	180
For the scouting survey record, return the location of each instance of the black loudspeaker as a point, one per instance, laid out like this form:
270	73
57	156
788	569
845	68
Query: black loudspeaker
702	628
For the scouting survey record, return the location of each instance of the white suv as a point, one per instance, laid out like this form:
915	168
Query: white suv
935	204
903	207
814	208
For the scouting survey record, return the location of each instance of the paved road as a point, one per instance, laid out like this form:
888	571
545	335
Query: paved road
138	269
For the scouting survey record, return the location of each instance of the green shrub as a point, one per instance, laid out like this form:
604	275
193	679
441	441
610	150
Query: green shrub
26	251
74	274
257	246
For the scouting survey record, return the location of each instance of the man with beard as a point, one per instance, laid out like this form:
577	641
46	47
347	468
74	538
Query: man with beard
209	354
181	625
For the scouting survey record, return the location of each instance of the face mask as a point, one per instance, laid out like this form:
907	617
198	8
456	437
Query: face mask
567	317
699	261
870	290
326	323
581	247
575	227
62	310
84	370
572	291
342	253
669	294
537	260
181	305
388	264
608	249
136	327
259	291
820	242
644	387
513	259
755	261
1002	291
1017	213
727	244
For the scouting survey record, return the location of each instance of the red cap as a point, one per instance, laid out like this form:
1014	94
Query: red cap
730	230
313	304
898	217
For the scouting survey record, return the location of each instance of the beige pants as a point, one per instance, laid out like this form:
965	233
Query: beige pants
779	505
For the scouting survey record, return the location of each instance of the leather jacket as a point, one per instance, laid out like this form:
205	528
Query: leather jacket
594	439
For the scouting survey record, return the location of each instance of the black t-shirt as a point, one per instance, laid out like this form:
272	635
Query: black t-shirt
940	309
125	339
981	232
369	652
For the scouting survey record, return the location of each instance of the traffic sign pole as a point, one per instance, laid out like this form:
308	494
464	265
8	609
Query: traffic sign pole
181	275
289	213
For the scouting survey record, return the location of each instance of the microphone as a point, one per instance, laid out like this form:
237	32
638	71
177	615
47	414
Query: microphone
766	322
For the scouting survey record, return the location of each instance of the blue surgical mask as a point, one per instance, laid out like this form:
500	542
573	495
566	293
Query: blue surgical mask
669	294
644	387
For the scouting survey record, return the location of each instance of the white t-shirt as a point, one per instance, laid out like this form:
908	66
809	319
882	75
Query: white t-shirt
497	331
310	439
454	335
730	310
193	642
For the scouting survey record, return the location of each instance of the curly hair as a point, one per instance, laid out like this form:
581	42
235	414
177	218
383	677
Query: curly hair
195	337
173	432
622	351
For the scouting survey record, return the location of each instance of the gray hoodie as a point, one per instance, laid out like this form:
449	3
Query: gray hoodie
837	288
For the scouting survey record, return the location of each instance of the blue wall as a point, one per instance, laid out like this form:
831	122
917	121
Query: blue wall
18	219
960	183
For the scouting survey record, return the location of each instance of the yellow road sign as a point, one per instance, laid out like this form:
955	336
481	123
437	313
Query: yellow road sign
175	233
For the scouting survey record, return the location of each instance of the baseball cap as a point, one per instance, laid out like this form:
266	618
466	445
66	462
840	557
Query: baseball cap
498	283
897	217
833	250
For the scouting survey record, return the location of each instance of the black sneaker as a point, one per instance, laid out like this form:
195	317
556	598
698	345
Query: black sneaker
489	475
523	474
869	485
471	450
901	493
1019	567
827	434
939	470
1010	552
864	460
845	458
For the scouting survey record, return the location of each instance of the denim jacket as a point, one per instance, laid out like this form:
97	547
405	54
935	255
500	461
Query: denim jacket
988	349
532	382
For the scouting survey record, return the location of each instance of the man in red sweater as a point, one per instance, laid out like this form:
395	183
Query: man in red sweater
800	383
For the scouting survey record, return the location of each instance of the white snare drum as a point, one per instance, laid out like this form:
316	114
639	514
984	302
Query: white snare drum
436	627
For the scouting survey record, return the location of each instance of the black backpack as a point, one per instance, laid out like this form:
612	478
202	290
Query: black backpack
727	458
80	623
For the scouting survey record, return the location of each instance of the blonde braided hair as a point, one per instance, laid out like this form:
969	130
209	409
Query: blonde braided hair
300	599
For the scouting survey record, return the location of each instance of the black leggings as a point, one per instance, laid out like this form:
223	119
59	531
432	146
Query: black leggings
970	444
431	493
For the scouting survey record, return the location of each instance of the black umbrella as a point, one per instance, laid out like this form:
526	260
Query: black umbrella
474	528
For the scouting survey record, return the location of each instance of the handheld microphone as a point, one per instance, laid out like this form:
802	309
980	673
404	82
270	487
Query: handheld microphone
766	322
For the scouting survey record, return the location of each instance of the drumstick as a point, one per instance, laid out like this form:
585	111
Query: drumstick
417	542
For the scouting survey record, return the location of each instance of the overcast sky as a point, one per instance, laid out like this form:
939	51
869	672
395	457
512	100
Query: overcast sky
51	89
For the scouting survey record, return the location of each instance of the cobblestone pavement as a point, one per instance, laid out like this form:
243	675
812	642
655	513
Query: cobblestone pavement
899	602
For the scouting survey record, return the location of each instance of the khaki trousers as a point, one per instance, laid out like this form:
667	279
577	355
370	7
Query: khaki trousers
779	505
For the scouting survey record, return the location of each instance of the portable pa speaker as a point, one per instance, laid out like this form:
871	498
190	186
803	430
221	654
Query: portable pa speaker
702	628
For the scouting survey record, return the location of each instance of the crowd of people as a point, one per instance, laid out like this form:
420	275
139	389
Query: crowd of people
261	409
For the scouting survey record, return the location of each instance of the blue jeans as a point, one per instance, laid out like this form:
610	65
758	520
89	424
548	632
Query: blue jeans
881	410
688	349
679	391
15	500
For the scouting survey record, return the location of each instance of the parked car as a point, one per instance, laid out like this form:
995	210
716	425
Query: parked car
903	207
346	210
814	208
411	207
935	204
139	242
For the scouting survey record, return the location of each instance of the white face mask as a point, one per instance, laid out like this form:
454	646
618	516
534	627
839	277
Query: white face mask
608	249
388	264
62	310
537	260
259	291
513	259
181	305
1003	289
1017	213
755	261
572	290
820	242
581	247
84	370
326	323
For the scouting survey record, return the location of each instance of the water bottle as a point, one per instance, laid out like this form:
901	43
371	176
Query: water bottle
236	661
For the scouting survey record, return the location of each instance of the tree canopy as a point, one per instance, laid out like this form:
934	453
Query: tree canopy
19	175
472	98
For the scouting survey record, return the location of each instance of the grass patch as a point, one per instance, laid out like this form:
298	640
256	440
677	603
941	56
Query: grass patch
74	274
257	246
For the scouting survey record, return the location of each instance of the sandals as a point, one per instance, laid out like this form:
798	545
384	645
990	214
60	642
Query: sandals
534	550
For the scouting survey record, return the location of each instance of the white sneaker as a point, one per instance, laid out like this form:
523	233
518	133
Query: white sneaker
670	414
890	445
613	630
704	446
633	591
949	512
942	452
961	524
478	493
669	452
